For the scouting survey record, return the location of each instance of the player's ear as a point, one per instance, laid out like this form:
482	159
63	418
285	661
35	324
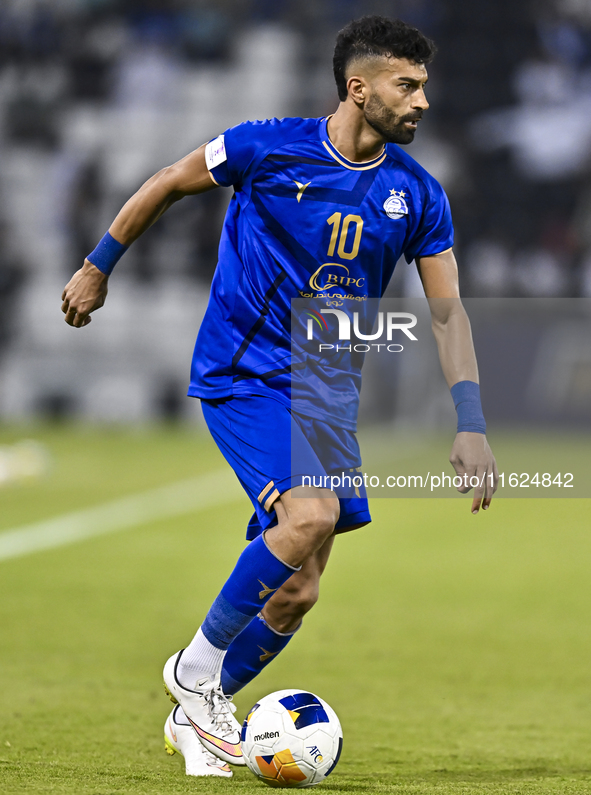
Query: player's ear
357	89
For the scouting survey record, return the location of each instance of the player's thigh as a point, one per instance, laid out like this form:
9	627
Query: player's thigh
257	434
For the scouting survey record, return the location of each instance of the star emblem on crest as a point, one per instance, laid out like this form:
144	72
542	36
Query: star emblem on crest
395	205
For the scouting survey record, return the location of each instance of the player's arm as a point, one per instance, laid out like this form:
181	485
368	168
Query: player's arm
471	455
87	289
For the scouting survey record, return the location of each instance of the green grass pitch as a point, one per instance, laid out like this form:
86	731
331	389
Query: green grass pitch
455	649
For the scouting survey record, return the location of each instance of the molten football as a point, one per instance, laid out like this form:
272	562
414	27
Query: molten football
291	738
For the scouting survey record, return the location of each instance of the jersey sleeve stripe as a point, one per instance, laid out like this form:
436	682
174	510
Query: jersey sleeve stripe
265	491
270	500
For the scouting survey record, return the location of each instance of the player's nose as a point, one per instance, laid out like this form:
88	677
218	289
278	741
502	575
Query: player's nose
420	100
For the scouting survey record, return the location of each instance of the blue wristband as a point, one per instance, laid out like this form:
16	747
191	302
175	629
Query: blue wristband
466	397
107	254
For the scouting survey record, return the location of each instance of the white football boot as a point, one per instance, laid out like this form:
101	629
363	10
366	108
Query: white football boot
179	738
210	712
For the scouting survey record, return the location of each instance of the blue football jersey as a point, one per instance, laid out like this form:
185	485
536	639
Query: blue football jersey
305	222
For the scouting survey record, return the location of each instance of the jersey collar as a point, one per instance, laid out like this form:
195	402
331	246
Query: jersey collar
340	158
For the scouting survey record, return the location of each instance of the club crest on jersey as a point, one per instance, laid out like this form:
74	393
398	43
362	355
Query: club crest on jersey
395	205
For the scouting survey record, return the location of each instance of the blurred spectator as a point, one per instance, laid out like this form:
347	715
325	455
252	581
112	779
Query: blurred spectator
490	268
86	196
540	272
90	58
549	131
147	76
12	280
533	159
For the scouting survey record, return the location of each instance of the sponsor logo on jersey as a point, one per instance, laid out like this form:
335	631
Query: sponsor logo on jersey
395	205
301	188
265	736
332	277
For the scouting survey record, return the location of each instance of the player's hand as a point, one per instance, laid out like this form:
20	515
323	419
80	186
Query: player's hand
85	292
472	457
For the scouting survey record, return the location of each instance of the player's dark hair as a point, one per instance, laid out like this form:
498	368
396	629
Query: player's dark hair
373	36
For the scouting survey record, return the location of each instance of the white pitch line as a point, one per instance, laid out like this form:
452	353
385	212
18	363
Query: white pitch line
185	496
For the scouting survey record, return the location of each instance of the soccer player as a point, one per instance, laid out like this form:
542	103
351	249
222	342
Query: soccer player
311	197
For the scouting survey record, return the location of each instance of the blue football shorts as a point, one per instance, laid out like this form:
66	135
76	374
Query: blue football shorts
272	449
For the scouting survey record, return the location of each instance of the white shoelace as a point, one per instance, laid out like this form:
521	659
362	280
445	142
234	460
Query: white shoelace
221	710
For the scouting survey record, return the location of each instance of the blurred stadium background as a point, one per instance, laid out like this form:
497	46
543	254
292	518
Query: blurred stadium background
96	95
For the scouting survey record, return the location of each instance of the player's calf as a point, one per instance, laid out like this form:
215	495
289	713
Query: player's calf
268	634
290	604
298	595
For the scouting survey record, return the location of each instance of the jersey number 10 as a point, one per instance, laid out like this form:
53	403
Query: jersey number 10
335	222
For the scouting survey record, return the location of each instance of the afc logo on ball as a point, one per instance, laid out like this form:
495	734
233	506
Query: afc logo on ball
315	753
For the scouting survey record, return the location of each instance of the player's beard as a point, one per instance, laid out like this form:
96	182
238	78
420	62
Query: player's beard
387	123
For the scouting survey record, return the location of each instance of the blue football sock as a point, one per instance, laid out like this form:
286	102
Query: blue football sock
250	652
256	577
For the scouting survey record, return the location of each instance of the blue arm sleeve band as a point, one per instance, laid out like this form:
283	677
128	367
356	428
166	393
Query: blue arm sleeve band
107	254
466	397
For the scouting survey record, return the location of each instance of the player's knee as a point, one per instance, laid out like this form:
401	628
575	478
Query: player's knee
317	522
